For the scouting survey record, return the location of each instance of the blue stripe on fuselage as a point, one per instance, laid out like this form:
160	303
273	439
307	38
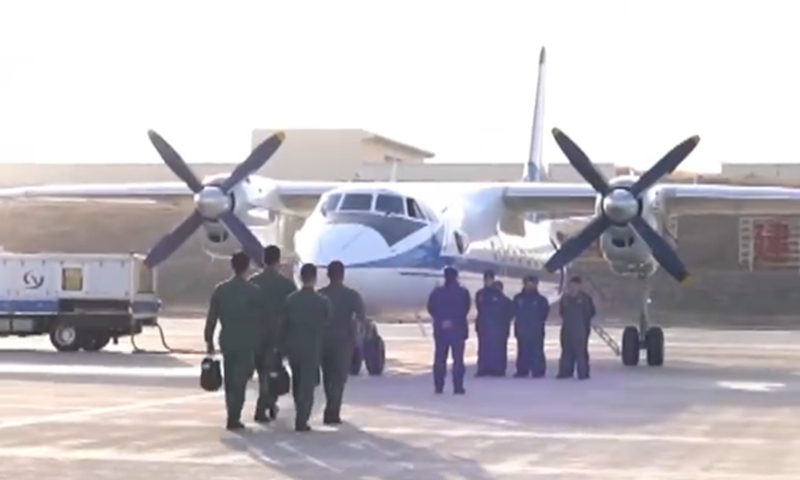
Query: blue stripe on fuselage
426	259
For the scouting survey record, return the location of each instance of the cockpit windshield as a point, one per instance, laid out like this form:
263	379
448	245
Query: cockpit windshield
330	203
357	202
390	204
384	204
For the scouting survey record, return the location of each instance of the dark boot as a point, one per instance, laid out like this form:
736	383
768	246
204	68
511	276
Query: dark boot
234	425
261	417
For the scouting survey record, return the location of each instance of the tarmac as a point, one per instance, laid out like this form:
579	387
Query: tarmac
726	406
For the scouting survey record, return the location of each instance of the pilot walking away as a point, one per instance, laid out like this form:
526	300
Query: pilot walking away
448	306
340	339
306	314
577	311
531	309
275	289
491	327
238	306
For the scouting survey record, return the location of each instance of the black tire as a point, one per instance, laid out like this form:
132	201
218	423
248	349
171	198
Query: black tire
630	346
356	362
375	359
94	341
654	342
65	338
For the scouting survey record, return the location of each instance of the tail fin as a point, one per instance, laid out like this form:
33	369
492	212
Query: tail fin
534	170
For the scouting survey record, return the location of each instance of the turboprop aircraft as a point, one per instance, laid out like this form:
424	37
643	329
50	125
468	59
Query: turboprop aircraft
396	237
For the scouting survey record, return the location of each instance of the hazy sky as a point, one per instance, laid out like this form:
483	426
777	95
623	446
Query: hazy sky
82	81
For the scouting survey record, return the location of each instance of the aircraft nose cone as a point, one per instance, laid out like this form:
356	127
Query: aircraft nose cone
347	243
212	202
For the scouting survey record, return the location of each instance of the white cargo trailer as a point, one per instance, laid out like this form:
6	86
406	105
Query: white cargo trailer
81	300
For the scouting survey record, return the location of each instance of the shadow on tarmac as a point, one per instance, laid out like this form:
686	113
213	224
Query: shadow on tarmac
358	454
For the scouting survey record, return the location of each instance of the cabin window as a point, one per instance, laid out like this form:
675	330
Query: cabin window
357	201
71	279
413	209
390	204
330	203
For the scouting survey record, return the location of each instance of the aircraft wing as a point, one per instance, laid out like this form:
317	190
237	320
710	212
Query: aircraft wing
124	192
559	198
695	199
296	196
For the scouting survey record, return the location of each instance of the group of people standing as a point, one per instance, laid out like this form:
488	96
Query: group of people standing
265	318
450	304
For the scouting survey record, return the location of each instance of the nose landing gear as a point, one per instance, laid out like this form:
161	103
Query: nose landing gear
645	337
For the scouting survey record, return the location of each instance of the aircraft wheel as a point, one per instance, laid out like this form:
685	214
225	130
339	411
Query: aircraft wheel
65	338
375	356
94	341
630	346
654	343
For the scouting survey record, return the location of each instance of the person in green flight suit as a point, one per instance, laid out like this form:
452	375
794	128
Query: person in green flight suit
306	314
341	337
275	289
238	306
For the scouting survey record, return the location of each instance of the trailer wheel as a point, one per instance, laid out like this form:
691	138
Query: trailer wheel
65	338
94	341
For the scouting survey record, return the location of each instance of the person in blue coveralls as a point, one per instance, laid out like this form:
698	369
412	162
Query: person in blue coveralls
448	306
491	325
531	309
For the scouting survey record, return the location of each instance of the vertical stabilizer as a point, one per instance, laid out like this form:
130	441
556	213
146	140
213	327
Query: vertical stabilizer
534	170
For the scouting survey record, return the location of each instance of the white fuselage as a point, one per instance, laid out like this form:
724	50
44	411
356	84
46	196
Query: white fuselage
396	238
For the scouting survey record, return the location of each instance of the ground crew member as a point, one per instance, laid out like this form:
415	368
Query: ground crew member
508	317
306	314
531	309
237	305
275	288
490	326
577	310
341	338
449	306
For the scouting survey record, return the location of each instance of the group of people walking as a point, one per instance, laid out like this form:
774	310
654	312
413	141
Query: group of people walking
265	319
450	304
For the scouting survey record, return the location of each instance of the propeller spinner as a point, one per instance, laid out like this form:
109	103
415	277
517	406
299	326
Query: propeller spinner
621	206
212	202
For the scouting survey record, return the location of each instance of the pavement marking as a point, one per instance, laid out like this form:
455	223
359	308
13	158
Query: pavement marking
382	465
115	455
308	458
576	436
82	414
100	370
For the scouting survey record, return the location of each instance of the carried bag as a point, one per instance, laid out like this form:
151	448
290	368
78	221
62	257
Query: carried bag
374	353
279	380
210	374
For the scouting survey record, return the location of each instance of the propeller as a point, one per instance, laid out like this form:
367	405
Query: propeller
213	202
621	206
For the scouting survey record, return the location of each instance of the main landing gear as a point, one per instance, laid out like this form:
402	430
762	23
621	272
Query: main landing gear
645	337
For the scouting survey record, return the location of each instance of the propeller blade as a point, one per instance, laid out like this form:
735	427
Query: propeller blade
666	165
581	163
250	244
174	161
664	254
257	159
170	242
576	245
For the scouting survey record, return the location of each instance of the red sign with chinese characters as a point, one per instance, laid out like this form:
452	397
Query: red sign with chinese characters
772	242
